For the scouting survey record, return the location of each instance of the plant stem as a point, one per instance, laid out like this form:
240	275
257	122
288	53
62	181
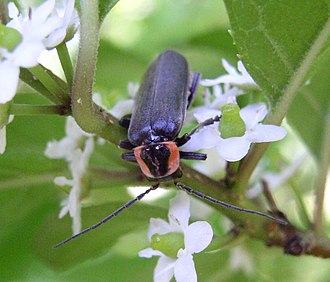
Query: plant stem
66	63
89	116
26	76
322	178
23	110
3	12
302	210
45	78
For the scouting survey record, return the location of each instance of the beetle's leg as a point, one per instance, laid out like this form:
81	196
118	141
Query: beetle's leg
129	156
193	156
125	121
193	88
186	137
125	144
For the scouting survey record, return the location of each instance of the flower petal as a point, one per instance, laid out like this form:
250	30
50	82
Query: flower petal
31	47
204	113
164	270
233	149
58	35
41	13
160	226
122	108
179	212
12	10
212	165
149	252
198	236
252	114
8	80
205	138
265	133
184	270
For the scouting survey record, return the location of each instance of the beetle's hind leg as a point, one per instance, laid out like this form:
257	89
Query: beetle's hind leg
125	121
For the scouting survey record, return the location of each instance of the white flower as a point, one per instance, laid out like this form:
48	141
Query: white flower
240	78
76	148
124	107
235	148
220	96
3	140
197	236
40	28
64	148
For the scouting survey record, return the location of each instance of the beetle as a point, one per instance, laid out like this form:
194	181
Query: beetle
160	106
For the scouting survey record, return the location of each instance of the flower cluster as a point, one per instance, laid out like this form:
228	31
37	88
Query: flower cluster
76	148
176	241
22	41
34	31
238	128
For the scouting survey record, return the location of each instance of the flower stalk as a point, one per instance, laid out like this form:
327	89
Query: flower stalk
40	73
64	56
25	109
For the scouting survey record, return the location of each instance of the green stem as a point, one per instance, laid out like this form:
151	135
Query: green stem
89	116
3	12
322	178
250	162
23	110
47	80
302	210
26	76
66	63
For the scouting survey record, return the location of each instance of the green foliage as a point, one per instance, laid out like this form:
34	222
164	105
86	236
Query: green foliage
104	7
273	38
276	40
310	109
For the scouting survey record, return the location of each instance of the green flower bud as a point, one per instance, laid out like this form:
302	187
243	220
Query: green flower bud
231	123
9	37
169	244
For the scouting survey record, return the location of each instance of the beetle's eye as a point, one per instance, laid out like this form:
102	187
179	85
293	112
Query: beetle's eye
158	160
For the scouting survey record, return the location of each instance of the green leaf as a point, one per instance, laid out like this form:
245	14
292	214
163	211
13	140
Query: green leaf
104	7
278	40
308	113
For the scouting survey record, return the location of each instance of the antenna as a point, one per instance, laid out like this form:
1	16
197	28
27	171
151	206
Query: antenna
180	186
224	204
116	212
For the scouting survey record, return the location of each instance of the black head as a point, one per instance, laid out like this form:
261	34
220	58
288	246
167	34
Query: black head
158	160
